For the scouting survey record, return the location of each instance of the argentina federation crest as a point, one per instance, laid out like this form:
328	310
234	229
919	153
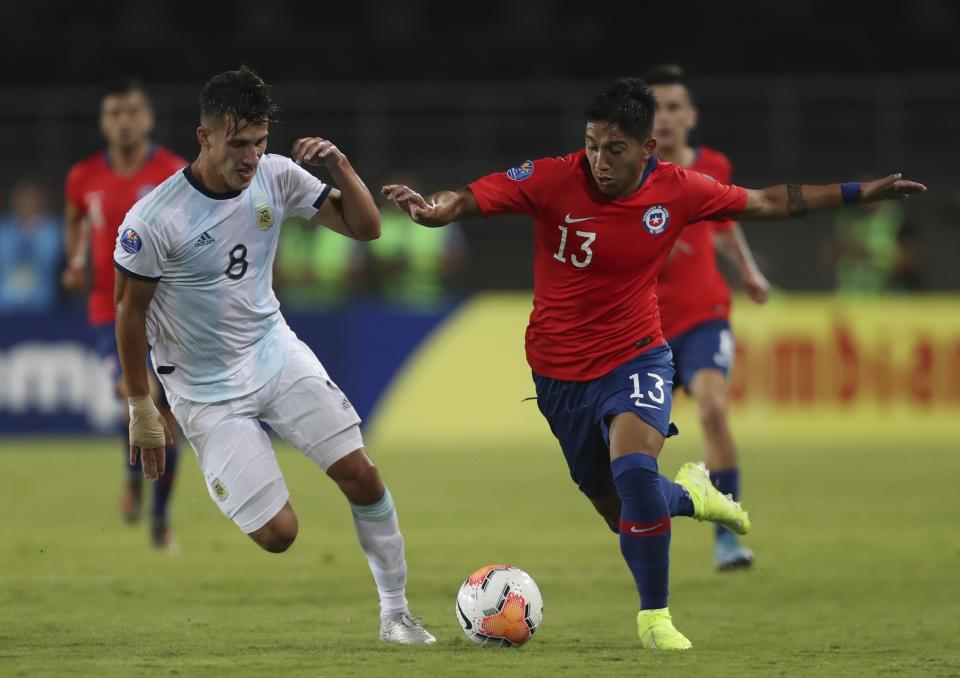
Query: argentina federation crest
264	215
656	219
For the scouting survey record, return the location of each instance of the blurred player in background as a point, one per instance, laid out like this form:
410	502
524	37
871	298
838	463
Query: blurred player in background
606	218
695	300
195	261
99	192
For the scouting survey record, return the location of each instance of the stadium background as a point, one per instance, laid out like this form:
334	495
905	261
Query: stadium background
812	92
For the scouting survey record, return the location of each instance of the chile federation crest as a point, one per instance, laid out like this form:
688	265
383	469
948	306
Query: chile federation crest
656	219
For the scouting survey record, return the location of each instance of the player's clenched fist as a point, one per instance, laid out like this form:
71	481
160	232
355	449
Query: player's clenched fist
317	151
148	436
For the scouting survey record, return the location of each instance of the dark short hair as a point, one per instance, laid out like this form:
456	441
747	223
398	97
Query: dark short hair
123	86
241	95
667	74
628	104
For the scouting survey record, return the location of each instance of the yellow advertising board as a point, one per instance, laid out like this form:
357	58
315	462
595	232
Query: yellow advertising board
805	366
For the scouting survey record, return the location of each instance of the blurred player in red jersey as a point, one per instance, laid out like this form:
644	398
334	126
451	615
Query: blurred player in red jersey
606	218
99	192
695	300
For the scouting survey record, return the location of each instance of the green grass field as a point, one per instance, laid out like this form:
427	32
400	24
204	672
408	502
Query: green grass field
858	572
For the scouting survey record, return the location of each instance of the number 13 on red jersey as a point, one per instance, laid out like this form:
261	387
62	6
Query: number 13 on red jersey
581	258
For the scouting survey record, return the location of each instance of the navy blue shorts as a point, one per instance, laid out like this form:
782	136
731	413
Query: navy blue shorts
579	413
705	346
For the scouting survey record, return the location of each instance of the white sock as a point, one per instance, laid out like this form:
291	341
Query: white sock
379	533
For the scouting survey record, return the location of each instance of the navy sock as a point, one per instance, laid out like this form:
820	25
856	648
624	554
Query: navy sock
644	526
728	482
164	485
678	499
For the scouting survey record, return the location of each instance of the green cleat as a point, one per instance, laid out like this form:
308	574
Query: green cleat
655	628
708	503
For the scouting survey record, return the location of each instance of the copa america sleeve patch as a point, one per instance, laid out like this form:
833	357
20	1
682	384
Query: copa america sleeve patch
130	241
521	171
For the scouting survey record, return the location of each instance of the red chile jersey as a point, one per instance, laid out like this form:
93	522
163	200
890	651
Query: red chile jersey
596	258
104	198
692	290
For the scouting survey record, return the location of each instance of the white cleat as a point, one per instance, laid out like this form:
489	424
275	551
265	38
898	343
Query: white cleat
404	629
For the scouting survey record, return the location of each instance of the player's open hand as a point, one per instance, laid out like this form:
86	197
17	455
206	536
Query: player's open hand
148	436
408	201
317	151
889	188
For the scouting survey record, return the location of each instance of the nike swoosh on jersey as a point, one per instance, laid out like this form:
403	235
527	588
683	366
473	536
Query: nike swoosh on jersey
571	220
634	530
637	403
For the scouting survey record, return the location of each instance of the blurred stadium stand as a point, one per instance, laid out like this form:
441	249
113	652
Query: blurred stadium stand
810	128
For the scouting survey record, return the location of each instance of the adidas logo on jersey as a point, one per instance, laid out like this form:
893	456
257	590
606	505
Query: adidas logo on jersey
205	239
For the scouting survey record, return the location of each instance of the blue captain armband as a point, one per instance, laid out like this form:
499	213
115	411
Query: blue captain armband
850	192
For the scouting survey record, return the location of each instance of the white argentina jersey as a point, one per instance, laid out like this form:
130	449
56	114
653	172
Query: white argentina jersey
214	322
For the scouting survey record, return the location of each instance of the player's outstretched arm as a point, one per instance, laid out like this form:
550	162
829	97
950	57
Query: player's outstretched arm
148	430
733	245
435	210
795	200
349	209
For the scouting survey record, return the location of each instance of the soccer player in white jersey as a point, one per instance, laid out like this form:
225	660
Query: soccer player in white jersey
194	262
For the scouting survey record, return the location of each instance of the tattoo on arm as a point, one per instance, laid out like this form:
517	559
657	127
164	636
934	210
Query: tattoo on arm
796	204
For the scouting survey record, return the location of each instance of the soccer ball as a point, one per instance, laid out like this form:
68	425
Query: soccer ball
499	605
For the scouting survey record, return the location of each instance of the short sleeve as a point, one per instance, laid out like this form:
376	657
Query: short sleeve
73	194
523	189
302	193
139	251
709	199
724	176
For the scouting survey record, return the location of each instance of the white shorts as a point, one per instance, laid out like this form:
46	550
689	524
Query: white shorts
301	403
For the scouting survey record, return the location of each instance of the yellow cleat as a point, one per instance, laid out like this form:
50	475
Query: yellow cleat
655	628
708	503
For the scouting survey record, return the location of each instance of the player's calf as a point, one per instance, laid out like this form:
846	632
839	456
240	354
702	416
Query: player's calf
279	533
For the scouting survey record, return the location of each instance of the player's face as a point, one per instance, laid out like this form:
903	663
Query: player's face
675	117
235	151
125	119
617	160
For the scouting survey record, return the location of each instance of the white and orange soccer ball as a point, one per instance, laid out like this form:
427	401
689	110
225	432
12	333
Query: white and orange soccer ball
499	605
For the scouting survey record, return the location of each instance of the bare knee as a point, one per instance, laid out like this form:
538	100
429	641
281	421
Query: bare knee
280	531
713	413
357	478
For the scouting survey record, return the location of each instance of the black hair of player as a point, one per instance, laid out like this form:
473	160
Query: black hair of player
628	104
240	96
667	74
123	86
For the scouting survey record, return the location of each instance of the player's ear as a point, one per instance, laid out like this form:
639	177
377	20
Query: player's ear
150	120
694	117
203	137
649	147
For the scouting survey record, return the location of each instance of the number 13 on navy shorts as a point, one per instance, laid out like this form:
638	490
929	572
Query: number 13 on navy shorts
579	412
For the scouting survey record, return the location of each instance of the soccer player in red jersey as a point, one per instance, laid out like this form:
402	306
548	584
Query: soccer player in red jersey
606	218
695	300
99	192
